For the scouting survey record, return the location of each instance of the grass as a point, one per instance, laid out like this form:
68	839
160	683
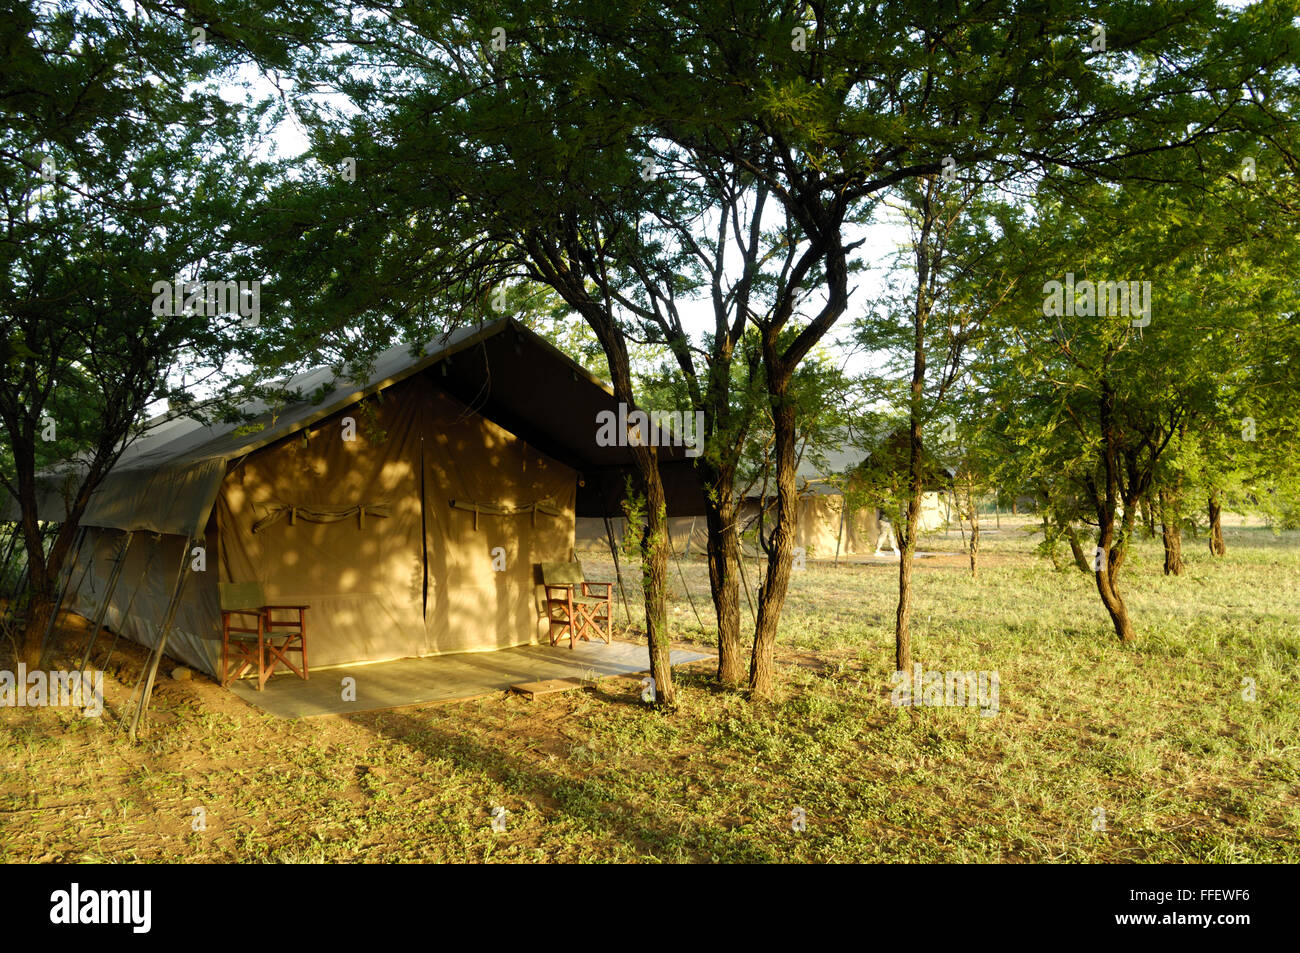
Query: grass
1155	741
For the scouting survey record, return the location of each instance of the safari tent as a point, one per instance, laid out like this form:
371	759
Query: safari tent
823	529
409	511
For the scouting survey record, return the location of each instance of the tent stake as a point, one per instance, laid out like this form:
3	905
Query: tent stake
109	587
151	667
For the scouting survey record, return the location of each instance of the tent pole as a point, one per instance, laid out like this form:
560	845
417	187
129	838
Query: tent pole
683	575
10	550
150	671
23	589
618	572
63	593
741	563
109	587
24	577
126	613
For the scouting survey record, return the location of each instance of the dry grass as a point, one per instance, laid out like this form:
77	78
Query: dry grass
1157	735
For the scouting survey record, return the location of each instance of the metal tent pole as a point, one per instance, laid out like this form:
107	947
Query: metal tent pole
126	613
24	590
10	549
618	572
109	587
23	577
683	576
741	562
63	593
151	668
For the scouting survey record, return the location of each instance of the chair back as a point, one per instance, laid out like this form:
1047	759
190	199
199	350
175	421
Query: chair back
562	574
235	596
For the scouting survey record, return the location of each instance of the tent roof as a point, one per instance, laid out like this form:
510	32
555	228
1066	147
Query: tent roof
168	478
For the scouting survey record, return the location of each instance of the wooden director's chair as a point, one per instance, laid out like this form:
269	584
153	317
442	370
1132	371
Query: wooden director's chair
571	604
253	638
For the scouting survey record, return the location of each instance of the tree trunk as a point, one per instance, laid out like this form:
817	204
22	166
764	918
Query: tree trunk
1106	570
1149	513
1076	548
771	597
1217	546
974	530
654	545
1049	542
654	574
724	582
1172	534
906	550
1109	555
40	607
915	450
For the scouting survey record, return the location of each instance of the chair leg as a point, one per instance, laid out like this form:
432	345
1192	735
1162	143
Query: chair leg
262	673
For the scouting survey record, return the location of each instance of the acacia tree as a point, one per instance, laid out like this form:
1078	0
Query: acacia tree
628	157
1103	390
118	172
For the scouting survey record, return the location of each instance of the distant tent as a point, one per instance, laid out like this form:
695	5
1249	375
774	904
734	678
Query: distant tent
824	530
409	512
820	526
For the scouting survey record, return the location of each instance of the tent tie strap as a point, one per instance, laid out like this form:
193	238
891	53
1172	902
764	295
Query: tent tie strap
546	507
320	514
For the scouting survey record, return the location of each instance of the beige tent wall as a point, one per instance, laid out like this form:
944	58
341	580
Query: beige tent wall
819	526
366	585
151	565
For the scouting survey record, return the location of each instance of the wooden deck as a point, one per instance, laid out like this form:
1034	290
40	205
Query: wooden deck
418	681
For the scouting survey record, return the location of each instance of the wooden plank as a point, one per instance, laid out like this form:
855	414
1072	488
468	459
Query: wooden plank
549	686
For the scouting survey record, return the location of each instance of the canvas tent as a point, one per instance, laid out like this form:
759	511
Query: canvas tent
409	511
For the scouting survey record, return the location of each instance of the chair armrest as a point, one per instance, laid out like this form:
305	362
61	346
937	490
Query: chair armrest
252	613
